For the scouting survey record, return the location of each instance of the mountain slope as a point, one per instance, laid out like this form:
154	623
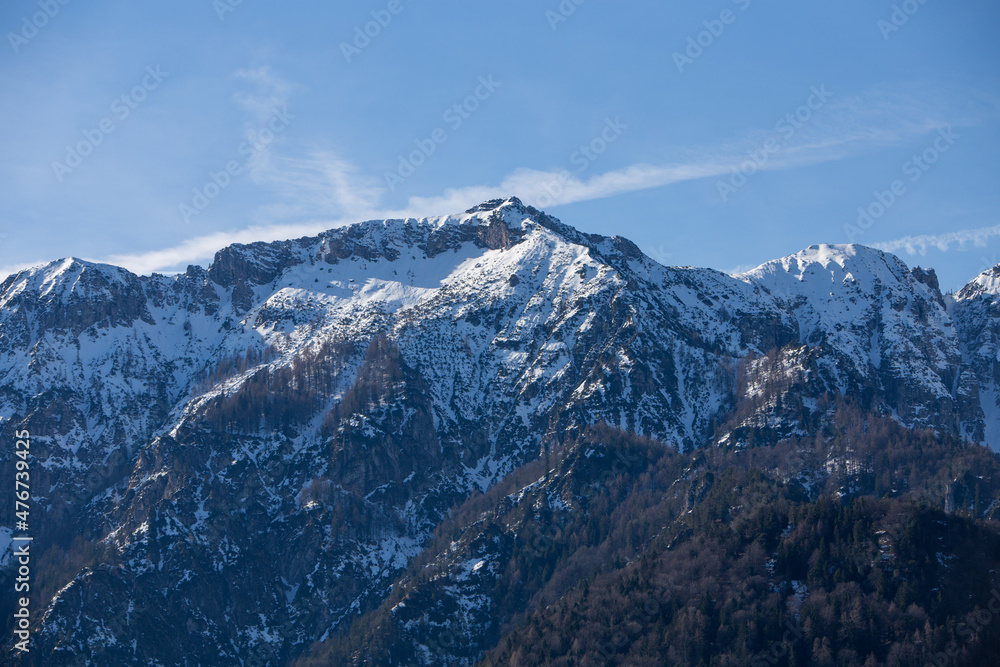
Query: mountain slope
976	310
884	329
606	553
254	451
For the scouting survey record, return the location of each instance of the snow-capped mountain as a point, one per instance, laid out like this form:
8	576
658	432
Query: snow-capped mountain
883	329
254	451
976	312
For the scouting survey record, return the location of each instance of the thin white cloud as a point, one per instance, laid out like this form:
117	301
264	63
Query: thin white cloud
546	189
919	245
320	185
202	248
265	103
329	191
845	126
271	92
323	182
197	250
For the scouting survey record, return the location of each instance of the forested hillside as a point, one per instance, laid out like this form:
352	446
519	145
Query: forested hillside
868	544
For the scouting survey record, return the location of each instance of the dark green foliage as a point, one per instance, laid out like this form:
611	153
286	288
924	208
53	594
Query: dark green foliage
231	366
275	397
871	581
864	545
382	428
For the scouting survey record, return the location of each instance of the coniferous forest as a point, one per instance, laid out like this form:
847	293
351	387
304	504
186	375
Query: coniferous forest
864	545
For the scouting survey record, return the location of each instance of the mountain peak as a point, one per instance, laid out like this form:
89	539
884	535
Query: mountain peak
494	204
66	275
839	261
510	213
986	283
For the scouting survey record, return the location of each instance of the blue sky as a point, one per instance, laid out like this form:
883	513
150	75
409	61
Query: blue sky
721	133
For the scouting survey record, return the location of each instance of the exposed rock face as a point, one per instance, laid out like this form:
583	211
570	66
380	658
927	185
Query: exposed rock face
884	331
252	452
976	312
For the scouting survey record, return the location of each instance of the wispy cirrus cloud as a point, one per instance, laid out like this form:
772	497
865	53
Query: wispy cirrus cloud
961	240
316	190
270	91
201	248
846	126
